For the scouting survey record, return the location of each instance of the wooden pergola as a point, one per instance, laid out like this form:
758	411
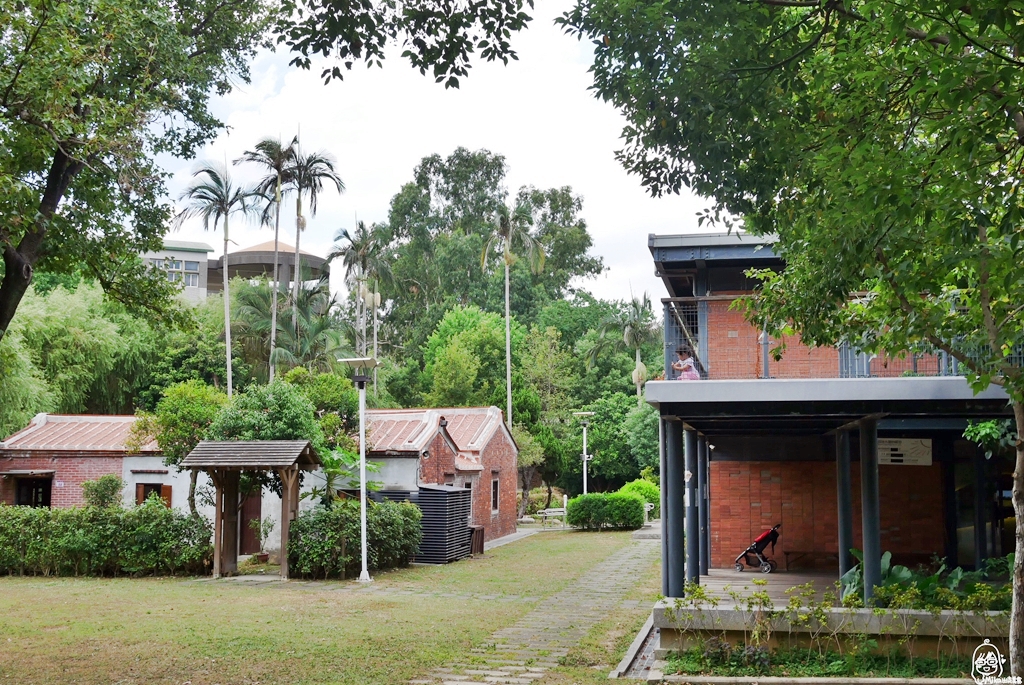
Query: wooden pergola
224	461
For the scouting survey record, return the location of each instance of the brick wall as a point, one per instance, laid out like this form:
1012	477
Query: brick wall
749	497
71	470
499	461
734	350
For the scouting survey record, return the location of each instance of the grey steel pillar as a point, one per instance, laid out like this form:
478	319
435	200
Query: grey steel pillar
672	527
661	507
844	498
702	502
690	504
870	509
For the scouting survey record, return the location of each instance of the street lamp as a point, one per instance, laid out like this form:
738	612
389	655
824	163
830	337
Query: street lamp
586	457
361	381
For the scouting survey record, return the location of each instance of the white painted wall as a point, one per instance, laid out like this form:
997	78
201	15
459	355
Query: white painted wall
178	480
397	473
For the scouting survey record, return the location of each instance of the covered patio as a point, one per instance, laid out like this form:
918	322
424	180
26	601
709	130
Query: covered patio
796	451
225	461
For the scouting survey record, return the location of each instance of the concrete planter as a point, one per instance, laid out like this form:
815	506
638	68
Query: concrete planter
921	633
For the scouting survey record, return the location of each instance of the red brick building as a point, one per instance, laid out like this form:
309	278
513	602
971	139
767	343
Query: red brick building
45	463
760	441
465	447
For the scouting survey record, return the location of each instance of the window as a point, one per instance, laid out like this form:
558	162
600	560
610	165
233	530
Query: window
494	495
33	492
186	273
143	491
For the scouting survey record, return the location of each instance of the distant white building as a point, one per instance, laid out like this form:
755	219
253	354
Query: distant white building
189	263
186	263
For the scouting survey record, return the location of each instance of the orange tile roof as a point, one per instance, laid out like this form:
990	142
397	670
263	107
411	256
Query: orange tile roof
82	432
411	430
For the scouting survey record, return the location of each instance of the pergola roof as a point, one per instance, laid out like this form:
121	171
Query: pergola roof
814	406
252	455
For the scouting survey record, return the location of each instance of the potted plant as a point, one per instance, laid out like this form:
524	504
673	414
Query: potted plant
262	529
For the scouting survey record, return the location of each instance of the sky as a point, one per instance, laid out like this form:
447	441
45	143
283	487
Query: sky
380	122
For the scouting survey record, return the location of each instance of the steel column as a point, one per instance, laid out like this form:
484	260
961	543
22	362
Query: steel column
844	498
702	502
870	509
661	507
690	505
674	493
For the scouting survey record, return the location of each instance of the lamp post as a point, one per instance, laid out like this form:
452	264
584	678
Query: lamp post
586	457
361	380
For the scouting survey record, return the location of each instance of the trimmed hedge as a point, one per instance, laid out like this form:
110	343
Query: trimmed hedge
103	541
317	538
616	510
646	490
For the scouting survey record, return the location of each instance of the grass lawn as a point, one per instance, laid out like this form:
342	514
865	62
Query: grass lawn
76	630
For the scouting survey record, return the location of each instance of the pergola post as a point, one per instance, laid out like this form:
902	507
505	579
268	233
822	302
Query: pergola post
674	514
663	508
229	535
289	478
870	509
690	504
844	499
702	503
218	519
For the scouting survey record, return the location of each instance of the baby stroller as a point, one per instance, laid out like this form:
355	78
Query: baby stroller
757	548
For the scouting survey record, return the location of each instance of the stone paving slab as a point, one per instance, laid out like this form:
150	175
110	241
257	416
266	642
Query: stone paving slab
525	651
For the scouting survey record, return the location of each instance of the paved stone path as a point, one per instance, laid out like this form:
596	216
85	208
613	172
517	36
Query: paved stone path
523	652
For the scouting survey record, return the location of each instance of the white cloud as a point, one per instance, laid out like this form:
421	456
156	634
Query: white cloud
379	123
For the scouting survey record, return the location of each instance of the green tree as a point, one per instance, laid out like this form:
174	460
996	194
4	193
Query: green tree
90	93
213	196
276	158
182	418
278	411
366	261
641	428
630	328
531	455
613	464
511	227
454	371
435	35
308	174
103	492
23	390
881	142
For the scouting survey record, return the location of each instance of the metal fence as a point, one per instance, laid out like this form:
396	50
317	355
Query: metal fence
728	347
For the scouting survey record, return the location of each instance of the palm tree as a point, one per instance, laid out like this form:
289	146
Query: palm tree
511	229
212	196
276	159
308	174
365	261
630	328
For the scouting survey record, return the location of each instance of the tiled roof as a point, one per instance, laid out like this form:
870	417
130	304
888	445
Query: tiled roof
83	432
411	430
242	454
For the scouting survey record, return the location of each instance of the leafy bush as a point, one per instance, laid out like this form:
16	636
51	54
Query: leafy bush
324	542
105	491
901	588
646	490
146	540
615	510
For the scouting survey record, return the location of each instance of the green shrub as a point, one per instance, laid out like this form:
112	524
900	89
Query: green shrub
646	490
146	540
324	542
105	491
606	510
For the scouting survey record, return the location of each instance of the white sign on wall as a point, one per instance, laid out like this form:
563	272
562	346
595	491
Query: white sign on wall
905	451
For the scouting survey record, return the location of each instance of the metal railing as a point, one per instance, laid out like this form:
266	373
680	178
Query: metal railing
728	347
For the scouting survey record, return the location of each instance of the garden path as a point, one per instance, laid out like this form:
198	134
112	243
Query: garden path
523	652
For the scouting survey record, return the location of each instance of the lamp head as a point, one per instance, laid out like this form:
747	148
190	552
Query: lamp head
360	362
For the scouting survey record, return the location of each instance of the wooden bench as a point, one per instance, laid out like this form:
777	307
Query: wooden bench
554	513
